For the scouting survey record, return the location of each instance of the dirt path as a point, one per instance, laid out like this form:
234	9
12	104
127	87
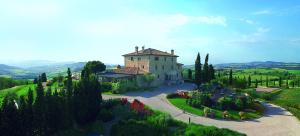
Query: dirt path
276	121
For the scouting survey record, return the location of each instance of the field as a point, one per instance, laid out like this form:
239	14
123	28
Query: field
181	104
23	90
18	90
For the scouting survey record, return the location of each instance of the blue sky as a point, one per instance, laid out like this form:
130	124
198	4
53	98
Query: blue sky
70	30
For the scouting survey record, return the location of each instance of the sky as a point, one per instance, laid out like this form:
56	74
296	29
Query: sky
73	30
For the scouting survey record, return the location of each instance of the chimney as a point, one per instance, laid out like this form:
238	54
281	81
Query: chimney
136	49
143	48
172	52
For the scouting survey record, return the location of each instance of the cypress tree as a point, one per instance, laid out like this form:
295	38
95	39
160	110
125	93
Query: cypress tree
211	72
39	110
43	77
249	81
287	83
230	77
256	83
190	74
267	81
206	69
280	81
198	78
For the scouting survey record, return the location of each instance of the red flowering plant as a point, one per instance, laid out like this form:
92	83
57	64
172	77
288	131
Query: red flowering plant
124	101
183	94
139	107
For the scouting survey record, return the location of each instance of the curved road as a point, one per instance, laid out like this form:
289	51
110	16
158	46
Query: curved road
276	121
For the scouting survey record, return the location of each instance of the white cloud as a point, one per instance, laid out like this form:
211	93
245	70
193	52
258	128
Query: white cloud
31	11
248	21
251	38
262	12
145	26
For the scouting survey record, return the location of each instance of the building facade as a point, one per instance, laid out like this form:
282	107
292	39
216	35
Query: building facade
162	65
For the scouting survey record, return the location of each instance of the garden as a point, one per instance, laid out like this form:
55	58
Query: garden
134	118
228	107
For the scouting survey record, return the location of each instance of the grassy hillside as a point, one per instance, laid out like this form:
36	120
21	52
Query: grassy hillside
19	90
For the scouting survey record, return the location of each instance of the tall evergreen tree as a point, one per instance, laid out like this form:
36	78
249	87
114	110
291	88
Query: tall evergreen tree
261	81
10	123
198	71
256	83
267	81
249	81
287	83
190	74
230	78
43	77
206	69
280	82
39	112
211	72
87	96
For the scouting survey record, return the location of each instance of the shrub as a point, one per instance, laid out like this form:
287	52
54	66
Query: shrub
225	115
258	107
206	111
172	95
243	115
105	115
106	86
225	103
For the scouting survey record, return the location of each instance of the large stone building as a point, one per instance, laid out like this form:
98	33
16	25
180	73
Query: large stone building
162	64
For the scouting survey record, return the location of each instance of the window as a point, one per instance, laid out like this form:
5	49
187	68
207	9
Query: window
139	58
158	76
155	67
143	66
172	59
163	67
131	58
156	58
172	67
165	58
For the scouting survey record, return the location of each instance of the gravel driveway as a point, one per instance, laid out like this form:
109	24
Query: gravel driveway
276	121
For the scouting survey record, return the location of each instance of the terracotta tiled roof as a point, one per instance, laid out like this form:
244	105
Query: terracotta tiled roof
130	71
150	51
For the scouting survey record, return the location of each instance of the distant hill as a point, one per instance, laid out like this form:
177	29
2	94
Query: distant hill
52	69
15	72
256	64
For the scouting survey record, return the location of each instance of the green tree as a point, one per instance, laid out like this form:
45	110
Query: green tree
190	74
211	72
87	99
280	82
249	81
10	122
206	69
256	83
95	67
43	77
230	78
267	81
198	78
261	80
39	110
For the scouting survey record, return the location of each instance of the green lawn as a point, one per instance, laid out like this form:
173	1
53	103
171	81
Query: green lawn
181	104
288	99
18	90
